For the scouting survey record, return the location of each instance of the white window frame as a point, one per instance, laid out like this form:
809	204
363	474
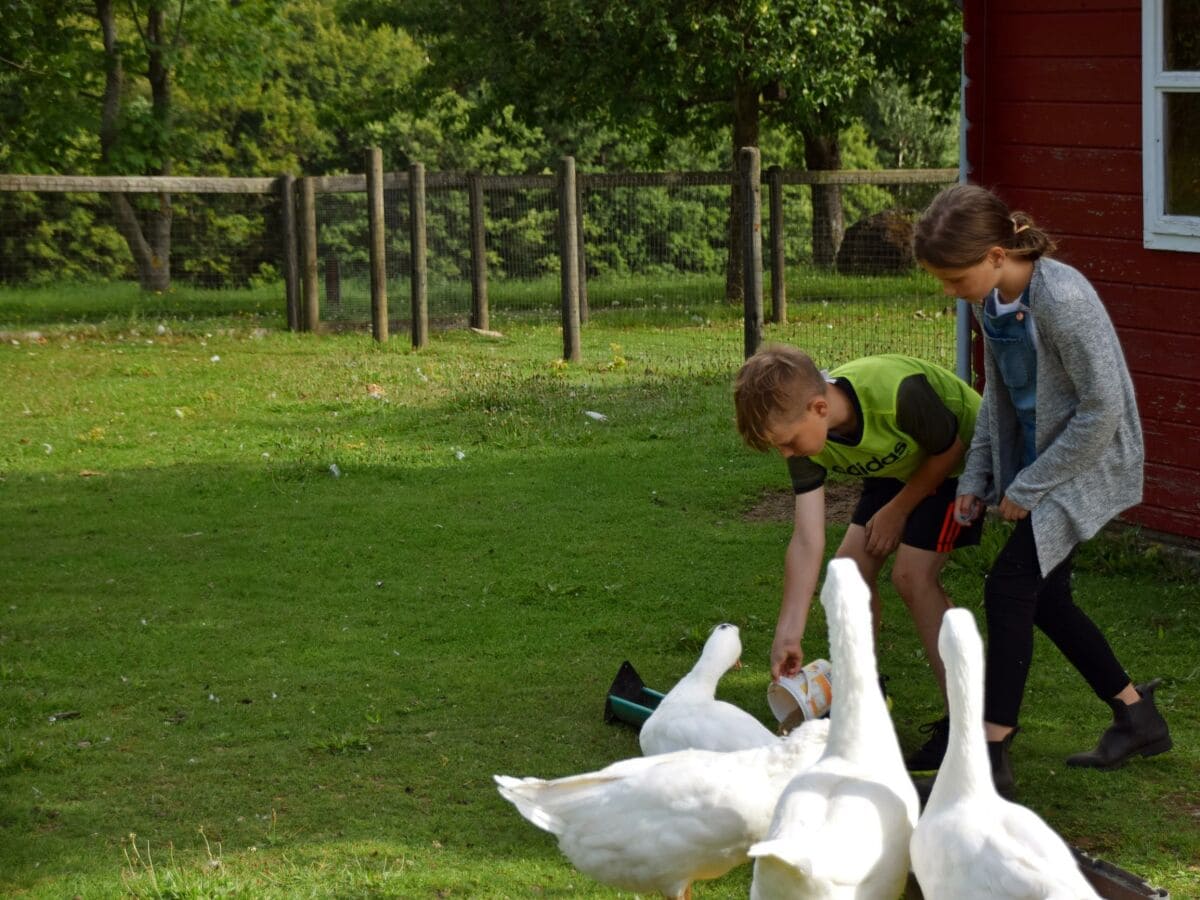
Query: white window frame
1159	230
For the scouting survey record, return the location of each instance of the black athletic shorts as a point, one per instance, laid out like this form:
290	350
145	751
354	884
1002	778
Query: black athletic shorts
931	526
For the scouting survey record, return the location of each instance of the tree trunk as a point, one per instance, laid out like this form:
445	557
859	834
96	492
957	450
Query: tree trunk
822	151
745	134
159	75
152	253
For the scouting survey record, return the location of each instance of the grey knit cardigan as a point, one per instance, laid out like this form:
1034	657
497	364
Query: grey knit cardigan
1089	436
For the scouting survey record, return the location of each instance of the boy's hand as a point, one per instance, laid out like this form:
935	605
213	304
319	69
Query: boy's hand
884	530
786	656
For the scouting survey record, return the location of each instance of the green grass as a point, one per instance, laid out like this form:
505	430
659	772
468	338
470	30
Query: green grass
291	684
114	301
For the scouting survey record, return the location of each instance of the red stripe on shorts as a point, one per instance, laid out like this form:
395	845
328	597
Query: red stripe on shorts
950	530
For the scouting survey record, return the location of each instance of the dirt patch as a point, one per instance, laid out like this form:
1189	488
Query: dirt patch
780	505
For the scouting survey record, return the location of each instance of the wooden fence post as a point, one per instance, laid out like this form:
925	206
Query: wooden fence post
479	294
749	171
377	237
416	218
568	237
311	318
778	263
581	249
291	262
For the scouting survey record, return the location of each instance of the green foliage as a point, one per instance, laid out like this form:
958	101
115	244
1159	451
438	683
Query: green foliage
50	75
646	65
656	231
909	131
59	237
261	86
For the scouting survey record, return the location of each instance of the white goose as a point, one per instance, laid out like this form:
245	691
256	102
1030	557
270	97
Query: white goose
842	826
970	841
658	823
690	717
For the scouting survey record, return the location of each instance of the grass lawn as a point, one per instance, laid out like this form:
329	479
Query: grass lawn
226	670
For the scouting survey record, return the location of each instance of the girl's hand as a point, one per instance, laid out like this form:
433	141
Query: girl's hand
1010	512
967	508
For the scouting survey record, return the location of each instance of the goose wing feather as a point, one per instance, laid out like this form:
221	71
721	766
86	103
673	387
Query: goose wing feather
836	826
1013	855
712	725
652	823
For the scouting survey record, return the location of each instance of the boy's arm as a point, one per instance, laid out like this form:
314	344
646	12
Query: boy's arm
801	570
886	526
922	413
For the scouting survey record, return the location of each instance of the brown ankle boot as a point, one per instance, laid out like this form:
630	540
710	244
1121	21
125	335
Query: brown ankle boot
1002	773
1138	729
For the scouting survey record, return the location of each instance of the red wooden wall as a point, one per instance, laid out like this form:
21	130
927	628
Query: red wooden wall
1053	125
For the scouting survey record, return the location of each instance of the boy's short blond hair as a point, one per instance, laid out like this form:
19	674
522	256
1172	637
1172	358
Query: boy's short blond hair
777	379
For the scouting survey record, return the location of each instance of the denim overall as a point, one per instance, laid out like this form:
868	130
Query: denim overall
1016	356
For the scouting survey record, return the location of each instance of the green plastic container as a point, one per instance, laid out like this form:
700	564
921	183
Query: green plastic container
629	700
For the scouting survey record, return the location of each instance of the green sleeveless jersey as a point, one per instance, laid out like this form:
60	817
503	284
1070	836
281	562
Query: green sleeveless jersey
902	422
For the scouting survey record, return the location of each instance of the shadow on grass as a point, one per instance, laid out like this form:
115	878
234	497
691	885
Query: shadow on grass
315	668
355	656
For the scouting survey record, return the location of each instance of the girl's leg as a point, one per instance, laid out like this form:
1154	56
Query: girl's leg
1010	601
1077	636
1138	729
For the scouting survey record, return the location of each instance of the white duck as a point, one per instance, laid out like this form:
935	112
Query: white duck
690	717
970	841
658	823
842	826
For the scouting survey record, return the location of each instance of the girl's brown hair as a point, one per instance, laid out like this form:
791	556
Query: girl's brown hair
776	379
965	221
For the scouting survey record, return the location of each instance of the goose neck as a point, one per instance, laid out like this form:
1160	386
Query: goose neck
966	768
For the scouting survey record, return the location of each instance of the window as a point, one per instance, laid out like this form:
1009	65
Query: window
1171	124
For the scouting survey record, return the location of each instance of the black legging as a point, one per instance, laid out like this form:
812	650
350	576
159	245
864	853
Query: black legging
1017	597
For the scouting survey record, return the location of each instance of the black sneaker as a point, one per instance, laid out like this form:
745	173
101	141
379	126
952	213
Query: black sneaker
928	756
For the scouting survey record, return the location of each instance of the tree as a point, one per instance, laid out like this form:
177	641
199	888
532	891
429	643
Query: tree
47	88
211	49
150	243
93	87
245	87
680	68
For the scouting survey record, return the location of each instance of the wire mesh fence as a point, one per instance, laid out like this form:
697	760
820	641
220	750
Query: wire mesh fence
652	247
216	240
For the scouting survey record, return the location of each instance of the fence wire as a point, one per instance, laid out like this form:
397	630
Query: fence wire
654	248
216	241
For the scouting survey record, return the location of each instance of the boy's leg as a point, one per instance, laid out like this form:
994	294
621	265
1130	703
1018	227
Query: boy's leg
875	493
854	546
916	575
930	534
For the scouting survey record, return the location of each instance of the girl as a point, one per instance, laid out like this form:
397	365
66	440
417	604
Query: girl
1058	444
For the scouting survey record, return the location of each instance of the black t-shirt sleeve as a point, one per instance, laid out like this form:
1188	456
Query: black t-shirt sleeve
806	474
921	412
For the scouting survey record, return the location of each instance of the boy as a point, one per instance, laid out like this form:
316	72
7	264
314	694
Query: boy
903	426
